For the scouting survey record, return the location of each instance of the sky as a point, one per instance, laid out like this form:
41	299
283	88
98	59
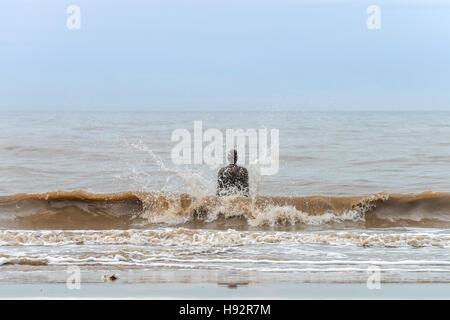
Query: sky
224	55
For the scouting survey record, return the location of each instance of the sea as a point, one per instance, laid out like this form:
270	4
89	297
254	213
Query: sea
357	197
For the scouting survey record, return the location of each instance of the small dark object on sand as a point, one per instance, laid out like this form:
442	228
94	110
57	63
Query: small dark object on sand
112	277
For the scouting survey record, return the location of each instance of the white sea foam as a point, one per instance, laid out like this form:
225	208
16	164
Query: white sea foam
189	237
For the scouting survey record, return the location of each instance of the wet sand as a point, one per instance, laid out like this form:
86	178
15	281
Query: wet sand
283	291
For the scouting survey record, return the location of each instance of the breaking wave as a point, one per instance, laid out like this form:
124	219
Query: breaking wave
125	210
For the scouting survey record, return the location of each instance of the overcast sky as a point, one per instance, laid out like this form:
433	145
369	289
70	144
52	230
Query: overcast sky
224	54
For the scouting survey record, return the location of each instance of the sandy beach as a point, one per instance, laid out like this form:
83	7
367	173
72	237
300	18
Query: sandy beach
214	291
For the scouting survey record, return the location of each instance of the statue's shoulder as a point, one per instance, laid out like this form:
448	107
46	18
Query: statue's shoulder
222	170
242	170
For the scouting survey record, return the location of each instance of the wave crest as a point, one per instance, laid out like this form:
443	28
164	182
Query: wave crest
82	210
